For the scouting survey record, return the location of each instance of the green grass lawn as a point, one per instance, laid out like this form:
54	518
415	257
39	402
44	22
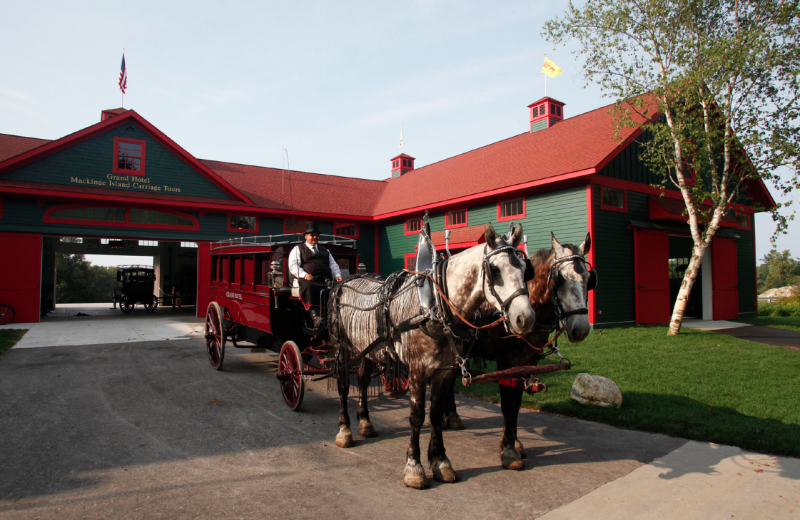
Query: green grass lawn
8	338
780	322
698	385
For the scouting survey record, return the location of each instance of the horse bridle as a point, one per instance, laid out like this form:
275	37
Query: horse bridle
487	272
590	285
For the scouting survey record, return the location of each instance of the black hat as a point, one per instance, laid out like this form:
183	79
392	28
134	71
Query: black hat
311	227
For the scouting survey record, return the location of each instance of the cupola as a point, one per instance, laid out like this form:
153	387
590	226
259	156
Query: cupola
111	112
545	113
401	165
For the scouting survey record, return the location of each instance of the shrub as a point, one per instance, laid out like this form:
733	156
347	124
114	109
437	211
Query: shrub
789	306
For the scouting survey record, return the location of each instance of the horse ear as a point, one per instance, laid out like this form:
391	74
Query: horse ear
516	237
586	245
491	236
556	245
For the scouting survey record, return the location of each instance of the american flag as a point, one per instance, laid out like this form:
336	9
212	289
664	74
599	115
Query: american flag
123	76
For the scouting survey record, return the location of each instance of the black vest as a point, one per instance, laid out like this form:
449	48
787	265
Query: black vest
315	264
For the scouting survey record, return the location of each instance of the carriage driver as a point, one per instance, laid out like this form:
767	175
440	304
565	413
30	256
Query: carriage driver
311	264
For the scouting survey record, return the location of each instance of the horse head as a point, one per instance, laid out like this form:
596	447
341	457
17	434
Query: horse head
504	280
570	279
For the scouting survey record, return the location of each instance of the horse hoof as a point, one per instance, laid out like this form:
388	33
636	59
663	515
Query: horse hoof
520	449
511	459
366	430
414	476
443	471
454	422
344	439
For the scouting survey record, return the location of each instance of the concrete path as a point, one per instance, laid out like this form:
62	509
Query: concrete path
712	325
105	325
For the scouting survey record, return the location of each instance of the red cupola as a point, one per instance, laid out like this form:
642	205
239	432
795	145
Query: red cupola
402	164
545	113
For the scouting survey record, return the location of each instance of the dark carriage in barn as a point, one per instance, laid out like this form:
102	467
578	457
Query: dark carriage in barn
135	284
253	299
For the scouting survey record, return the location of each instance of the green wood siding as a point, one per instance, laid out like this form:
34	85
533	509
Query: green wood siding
93	158
563	212
746	265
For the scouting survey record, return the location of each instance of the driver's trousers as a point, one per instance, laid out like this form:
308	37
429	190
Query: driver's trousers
310	290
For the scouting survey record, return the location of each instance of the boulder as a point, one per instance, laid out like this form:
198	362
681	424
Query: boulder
596	391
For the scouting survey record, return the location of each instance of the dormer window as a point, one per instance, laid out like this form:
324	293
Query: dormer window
456	218
129	156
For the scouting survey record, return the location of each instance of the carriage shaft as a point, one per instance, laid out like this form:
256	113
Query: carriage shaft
519	372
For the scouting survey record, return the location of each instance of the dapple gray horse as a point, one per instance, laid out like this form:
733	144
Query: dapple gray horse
352	322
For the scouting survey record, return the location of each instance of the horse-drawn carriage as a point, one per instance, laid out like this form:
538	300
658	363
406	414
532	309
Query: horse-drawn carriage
134	285
253	299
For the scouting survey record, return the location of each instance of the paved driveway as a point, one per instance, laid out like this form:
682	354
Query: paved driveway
149	430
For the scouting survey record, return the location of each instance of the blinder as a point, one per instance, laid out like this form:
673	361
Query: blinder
530	272
592	283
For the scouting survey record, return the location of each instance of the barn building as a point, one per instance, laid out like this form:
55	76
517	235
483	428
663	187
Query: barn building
124	187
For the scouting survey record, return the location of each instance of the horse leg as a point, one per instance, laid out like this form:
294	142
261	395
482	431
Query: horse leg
365	428
414	473
344	439
451	417
441	388
510	403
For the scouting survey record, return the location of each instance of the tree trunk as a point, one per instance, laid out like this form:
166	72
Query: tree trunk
689	277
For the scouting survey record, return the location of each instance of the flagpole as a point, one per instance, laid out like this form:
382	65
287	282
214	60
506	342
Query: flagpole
545	79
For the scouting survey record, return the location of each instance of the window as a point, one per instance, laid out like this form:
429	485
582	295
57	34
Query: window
129	156
456	218
95	214
413	225
677	268
411	262
103	241
742	220
148	243
535	111
242	223
345	229
613	199
214	270
188	244
72	240
558	110
294	226
148	216
508	209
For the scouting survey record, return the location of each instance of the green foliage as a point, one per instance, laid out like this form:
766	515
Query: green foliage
777	270
8	338
779	322
78	281
783	307
696	385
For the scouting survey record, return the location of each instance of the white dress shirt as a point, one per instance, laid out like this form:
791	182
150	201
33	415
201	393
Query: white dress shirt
296	264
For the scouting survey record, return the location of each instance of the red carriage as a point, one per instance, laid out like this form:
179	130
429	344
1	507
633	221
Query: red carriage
253	300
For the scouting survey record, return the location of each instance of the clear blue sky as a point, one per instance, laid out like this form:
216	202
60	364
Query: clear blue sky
331	82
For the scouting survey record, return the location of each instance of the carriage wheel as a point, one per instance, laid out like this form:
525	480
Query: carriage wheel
152	305
6	314
126	305
290	375
215	336
395	385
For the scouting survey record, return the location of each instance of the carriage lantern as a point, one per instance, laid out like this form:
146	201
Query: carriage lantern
275	274
362	268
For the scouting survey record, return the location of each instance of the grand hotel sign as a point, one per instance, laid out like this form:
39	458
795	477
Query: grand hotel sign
130	182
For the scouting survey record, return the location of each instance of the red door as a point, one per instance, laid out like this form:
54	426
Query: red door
652	276
724	279
20	274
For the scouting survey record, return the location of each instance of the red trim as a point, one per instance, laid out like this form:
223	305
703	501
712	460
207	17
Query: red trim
636	232
447	224
109	124
338	224
406	257
592	257
623	209
377	249
127	222
288	231
115	167
512	217
487	194
405	226
755	270
240	230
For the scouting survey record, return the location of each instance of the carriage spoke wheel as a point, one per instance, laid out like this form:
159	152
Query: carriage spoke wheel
152	304
395	384
290	375
6	314
215	336
125	305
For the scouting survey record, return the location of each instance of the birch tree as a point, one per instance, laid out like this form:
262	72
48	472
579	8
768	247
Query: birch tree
717	82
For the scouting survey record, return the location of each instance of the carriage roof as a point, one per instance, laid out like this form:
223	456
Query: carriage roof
268	243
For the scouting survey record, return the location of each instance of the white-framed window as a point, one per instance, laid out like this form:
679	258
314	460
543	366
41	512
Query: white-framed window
148	243
188	244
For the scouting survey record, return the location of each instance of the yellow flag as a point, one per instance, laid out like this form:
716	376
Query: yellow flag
550	68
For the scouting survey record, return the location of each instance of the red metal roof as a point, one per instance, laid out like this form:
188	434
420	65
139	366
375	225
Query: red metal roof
462	237
11	145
